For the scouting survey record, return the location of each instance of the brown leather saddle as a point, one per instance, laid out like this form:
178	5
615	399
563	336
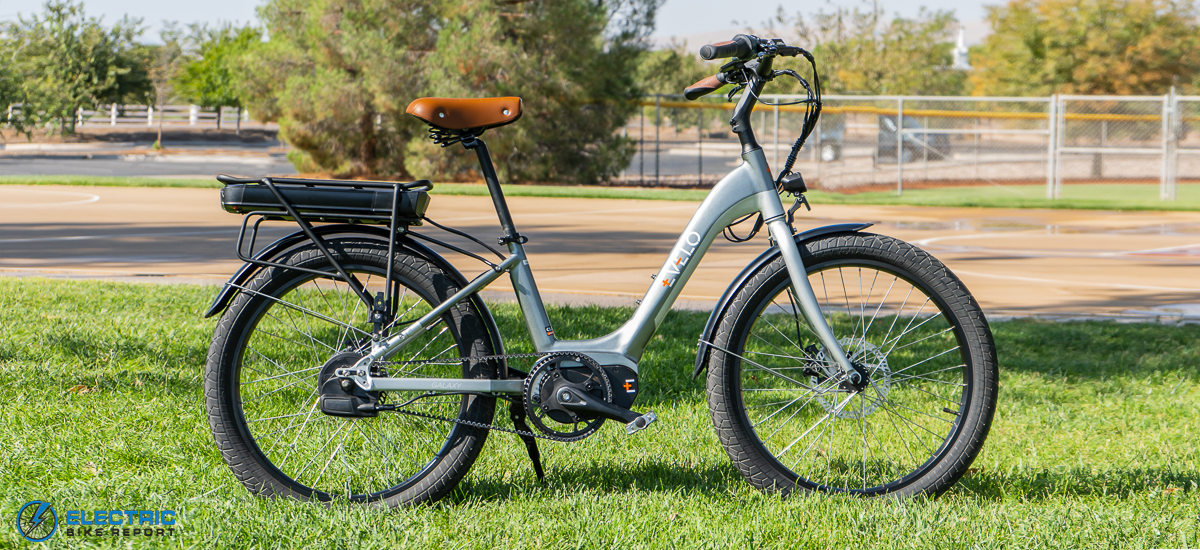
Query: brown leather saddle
470	116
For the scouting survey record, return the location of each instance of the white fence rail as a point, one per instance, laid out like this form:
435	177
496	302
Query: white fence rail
149	116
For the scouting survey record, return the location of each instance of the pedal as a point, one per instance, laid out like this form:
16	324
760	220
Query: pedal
640	423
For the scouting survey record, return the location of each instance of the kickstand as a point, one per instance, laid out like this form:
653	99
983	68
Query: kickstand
516	412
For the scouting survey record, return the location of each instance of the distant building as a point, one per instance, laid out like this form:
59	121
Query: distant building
960	52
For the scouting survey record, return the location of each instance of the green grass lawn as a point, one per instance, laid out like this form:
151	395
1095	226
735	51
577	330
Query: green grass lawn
1084	196
1094	445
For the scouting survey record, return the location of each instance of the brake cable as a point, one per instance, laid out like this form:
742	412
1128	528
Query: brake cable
812	113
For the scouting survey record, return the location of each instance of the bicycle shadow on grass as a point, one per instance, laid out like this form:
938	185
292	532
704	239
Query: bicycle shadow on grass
1075	482
115	364
646	476
1090	350
652	476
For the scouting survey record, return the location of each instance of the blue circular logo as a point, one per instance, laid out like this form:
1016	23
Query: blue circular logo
37	521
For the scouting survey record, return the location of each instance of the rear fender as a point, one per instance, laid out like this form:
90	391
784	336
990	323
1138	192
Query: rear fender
765	258
276	249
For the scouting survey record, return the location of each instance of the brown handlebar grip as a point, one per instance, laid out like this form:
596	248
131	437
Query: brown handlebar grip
703	87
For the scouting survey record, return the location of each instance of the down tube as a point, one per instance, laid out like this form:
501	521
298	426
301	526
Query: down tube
746	190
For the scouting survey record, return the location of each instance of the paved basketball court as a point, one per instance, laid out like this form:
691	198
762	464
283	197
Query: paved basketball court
1016	262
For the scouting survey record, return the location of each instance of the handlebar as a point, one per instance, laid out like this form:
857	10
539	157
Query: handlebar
741	47
750	71
744	48
705	86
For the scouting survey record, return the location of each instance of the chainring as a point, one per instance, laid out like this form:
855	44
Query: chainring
548	376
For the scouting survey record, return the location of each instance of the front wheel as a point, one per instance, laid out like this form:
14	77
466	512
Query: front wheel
789	418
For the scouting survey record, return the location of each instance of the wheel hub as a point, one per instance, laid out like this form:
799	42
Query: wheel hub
875	380
341	396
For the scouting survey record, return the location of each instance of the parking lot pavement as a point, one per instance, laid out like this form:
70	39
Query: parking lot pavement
124	163
1016	262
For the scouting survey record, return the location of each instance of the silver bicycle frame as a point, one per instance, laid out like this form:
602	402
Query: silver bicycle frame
746	190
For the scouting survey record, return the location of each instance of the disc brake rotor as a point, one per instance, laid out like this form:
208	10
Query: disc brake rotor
871	359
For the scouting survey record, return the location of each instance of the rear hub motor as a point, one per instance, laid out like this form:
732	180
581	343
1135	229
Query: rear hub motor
341	396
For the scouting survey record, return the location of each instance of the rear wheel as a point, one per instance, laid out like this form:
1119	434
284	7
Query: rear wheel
789	419
281	337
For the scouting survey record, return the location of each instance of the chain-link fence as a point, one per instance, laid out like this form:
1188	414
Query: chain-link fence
1113	139
1057	146
1185	141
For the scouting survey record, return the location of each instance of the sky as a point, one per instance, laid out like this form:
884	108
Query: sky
693	21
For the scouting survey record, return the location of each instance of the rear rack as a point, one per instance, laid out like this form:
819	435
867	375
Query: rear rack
304	201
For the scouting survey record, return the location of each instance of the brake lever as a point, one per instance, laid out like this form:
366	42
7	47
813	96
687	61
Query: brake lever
791	213
734	92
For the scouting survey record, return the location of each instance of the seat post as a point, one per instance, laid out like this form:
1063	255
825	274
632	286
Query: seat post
493	183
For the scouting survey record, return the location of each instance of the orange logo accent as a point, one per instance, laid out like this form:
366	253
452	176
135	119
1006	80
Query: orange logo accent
628	386
680	259
666	282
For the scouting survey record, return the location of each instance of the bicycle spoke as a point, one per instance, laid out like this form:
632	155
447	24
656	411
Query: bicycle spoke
841	438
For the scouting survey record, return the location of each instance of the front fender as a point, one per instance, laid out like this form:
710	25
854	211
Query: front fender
763	259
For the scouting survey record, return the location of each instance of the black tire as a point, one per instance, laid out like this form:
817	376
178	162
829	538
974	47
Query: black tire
901	315
261	379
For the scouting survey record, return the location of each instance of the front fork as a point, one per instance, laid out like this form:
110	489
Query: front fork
781	232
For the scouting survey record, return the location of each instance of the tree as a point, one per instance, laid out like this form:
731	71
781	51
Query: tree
208	79
165	62
858	52
1041	47
9	88
338	74
64	61
670	70
335	75
574	62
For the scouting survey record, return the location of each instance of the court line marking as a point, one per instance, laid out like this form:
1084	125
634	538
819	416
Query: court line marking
1074	283
90	237
1163	249
579	213
1037	253
932	240
92	198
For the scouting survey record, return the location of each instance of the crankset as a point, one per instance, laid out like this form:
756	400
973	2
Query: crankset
556	386
568	396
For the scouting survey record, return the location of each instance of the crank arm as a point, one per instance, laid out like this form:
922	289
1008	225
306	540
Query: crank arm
574	400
